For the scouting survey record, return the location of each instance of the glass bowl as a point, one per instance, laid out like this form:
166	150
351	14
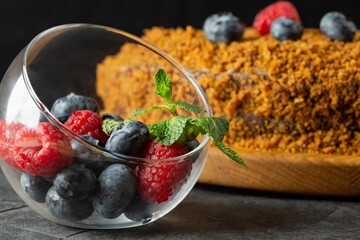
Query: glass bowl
65	59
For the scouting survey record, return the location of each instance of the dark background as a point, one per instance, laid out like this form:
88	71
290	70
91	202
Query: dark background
21	20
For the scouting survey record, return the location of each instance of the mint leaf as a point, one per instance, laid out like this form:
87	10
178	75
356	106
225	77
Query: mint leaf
169	131
110	124
127	121
176	127
136	113
163	85
158	130
230	153
187	106
191	132
215	127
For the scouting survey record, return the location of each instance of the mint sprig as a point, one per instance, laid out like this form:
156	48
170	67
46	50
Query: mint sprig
140	112
168	131
187	106
215	127
182	128
110	124
163	85
230	153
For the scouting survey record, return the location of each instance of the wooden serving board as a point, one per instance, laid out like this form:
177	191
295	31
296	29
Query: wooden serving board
312	174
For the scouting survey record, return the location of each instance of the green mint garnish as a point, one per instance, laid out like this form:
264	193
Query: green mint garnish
180	128
185	129
140	112
230	153
164	90
163	85
215	127
109	125
168	131
187	106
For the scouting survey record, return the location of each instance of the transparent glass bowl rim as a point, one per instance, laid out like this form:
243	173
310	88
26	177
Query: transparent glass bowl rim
44	110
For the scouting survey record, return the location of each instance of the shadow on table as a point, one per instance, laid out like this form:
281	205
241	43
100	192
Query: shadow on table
215	211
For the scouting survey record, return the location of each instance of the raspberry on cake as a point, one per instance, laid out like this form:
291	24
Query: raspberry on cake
265	17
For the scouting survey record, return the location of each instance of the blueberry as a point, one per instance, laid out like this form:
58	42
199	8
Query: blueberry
75	182
337	27
191	146
223	27
89	158
138	210
129	140
111	116
69	210
116	188
286	29
36	187
63	107
120	126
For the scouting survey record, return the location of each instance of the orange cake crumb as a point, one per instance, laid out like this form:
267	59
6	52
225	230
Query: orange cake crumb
291	96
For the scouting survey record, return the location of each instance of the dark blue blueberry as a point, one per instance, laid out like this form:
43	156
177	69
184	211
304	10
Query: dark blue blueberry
111	116
69	210
36	187
89	158
191	146
337	27
286	29
223	27
63	107
75	182
116	188
129	140
138	210
120	126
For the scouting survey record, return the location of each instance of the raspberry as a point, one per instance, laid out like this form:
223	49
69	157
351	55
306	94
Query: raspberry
265	17
42	151
7	137
89	123
157	181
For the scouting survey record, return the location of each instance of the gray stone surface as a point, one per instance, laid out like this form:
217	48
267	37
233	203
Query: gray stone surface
208	212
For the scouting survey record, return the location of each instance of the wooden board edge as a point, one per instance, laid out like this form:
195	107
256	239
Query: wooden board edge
314	174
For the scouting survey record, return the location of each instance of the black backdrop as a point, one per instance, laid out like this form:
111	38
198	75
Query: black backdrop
21	20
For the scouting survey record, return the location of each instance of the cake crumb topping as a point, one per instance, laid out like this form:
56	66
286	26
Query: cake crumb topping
290	96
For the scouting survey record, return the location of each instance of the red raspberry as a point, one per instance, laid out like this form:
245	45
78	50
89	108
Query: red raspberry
86	122
7	138
266	16
42	151
157	182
